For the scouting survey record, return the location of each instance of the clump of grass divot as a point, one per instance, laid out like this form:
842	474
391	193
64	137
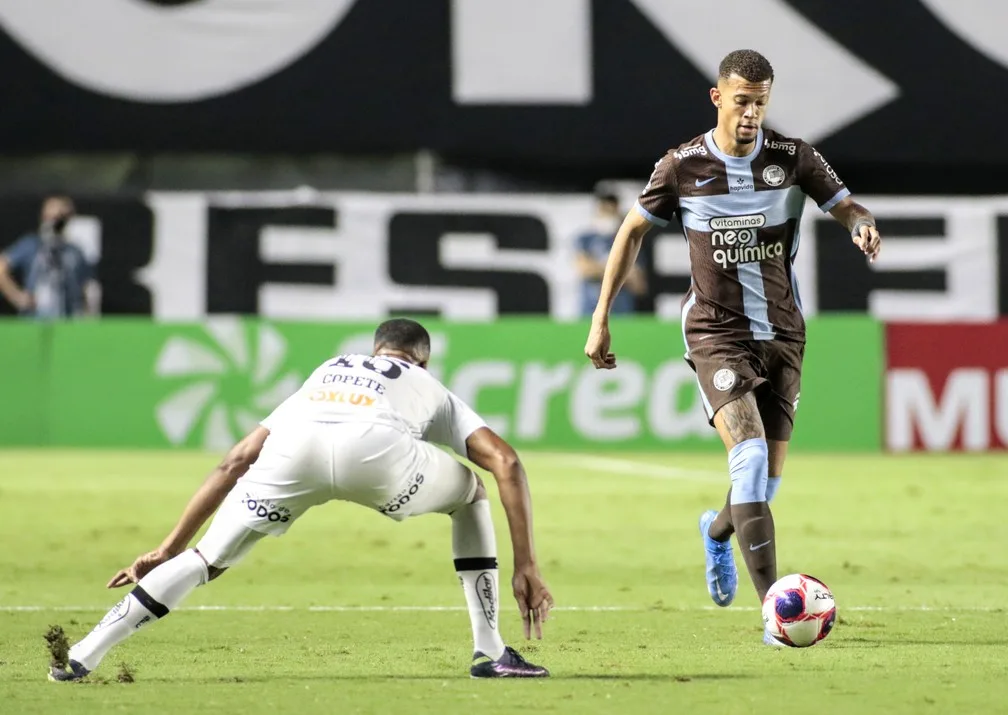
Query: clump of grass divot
59	647
125	674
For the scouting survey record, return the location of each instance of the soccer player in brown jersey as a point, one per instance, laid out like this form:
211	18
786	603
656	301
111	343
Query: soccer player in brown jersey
738	190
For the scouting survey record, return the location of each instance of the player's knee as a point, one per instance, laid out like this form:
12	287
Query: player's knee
747	464
212	570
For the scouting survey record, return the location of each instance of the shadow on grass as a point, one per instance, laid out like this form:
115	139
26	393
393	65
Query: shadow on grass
349	677
858	642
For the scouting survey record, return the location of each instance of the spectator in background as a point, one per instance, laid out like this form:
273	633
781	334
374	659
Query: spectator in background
592	251
57	281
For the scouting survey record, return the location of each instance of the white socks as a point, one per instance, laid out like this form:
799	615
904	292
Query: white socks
152	598
474	547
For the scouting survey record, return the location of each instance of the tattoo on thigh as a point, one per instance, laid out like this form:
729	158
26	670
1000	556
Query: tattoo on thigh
742	419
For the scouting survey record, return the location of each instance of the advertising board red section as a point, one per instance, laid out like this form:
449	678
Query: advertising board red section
946	387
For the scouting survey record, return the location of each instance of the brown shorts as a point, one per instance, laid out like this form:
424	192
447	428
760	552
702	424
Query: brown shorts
769	368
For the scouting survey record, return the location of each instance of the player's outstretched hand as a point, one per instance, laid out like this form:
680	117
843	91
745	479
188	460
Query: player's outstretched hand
868	240
597	347
534	599
144	564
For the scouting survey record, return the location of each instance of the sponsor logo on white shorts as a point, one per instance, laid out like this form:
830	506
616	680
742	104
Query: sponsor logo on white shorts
773	175
723	380
266	509
403	497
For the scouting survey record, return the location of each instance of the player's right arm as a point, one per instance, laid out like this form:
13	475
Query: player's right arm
656	205
488	451
457	425
200	507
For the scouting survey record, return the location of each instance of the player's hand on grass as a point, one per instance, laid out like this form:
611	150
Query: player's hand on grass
868	240
597	347
533	597
143	565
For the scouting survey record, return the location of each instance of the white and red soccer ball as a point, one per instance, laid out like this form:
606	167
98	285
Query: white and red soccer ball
799	610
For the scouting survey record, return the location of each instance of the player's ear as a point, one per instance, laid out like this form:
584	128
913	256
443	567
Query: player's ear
715	96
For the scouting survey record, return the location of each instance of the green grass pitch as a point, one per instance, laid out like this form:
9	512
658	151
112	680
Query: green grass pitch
353	613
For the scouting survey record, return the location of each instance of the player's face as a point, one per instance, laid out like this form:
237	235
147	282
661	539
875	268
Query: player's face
741	106
55	209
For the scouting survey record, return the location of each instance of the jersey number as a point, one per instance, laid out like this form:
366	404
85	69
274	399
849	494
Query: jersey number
386	367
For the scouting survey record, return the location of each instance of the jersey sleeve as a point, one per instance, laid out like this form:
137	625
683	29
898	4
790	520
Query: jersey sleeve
20	253
453	423
660	198
818	180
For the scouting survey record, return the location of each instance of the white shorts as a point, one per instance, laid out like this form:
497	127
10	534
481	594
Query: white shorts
375	465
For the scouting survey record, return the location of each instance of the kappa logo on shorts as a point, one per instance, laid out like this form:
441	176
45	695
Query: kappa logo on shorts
723	380
794	405
773	175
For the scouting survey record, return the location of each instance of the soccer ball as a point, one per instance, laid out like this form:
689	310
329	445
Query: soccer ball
799	610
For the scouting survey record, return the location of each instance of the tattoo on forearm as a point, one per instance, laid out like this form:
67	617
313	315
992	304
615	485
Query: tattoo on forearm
858	214
742	420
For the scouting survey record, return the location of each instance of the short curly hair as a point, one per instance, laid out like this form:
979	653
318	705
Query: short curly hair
750	65
405	335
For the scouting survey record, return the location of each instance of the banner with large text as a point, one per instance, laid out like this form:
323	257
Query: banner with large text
136	383
576	82
353	256
947	387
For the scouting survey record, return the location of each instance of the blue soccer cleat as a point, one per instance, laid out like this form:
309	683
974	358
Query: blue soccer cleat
509	665
722	577
75	671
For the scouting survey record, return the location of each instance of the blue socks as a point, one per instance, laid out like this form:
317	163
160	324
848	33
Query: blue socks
772	485
748	464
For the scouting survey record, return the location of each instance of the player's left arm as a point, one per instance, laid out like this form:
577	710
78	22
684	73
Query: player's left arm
200	507
820	182
860	224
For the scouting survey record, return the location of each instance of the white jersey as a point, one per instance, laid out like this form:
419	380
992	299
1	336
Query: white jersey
384	390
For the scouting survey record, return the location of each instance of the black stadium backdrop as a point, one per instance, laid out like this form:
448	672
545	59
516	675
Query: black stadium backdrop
911	82
903	98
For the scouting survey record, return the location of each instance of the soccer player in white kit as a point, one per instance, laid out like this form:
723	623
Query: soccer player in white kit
359	430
